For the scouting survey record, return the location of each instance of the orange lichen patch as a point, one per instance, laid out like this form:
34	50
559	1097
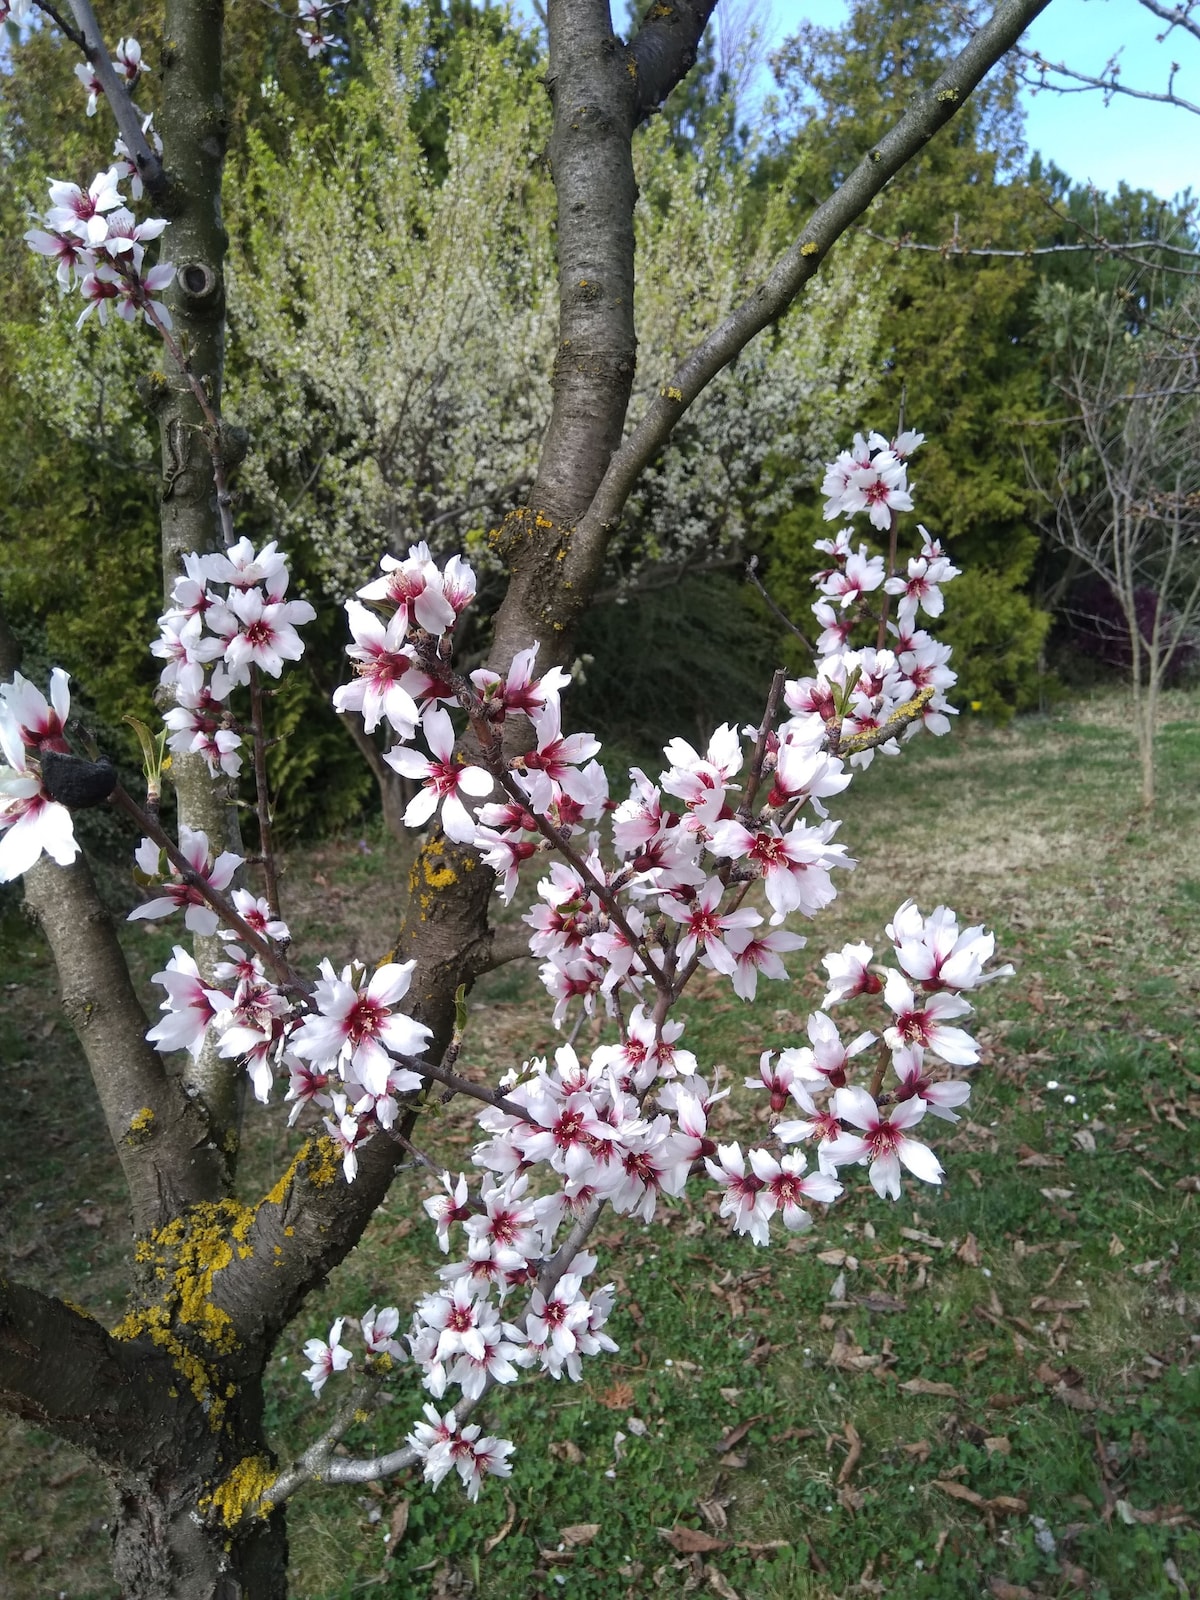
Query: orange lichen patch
242	1491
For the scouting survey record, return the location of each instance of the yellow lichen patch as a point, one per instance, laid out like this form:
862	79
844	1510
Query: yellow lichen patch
242	1491
320	1161
671	392
812	248
436	876
154	1323
139	1125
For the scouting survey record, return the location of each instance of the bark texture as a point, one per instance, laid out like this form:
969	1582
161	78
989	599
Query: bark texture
195	133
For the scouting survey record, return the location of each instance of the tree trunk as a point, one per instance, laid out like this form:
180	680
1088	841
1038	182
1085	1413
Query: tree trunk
164	1550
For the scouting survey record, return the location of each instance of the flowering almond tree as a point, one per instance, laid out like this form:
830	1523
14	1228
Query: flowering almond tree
634	893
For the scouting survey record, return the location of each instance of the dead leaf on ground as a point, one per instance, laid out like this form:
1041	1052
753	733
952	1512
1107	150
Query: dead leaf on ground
720	1585
505	1528
32	1554
1005	1504
876	1301
578	1533
968	1251
1076	1399
918	1451
691	1541
738	1433
853	1454
90	1216
1001	1589
1036	1158
399	1523
1190	1184
713	1512
929	1386
567	1450
997	1445
618	1397
919	1236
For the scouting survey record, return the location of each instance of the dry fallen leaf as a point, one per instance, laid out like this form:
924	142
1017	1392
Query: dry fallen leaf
618	1397
968	1251
997	1445
713	1512
720	1585
1076	1399
579	1533
90	1216
738	1433
567	1450
691	1541
853	1454
929	1386
1006	1504
1001	1589
398	1524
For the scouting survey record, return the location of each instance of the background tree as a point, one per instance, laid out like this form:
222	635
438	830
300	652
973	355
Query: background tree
1124	497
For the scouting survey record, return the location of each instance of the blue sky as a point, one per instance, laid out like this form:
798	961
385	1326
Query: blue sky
1153	147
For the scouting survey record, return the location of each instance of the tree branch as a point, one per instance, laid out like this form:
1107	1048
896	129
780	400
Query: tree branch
664	49
129	119
60	1370
161	1136
927	113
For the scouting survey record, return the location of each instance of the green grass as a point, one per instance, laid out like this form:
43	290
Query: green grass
1050	1287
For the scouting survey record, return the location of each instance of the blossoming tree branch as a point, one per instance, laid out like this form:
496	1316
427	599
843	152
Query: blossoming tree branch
707	866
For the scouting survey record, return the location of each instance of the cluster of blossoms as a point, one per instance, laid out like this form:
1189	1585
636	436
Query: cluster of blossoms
127	64
868	686
93	236
228	614
97	242
635	898
311	32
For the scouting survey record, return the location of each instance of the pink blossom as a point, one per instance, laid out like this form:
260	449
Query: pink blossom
179	893
327	1357
885	1143
358	1029
705	927
260	632
850	973
443	780
415	585
381	664
795	866
378	1333
756	953
927	1025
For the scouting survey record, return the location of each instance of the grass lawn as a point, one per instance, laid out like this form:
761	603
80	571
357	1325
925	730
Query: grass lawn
989	1389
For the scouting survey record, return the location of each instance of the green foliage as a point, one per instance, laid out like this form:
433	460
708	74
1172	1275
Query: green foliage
671	661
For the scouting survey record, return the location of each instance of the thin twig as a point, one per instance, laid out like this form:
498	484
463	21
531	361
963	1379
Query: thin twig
752	574
261	794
